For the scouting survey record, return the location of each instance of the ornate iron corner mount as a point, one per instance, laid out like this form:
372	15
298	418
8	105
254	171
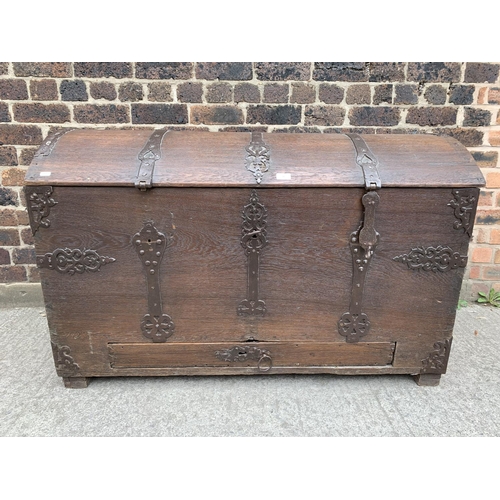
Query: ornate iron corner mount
258	158
66	260
437	361
440	258
50	141
40	202
253	240
150	245
464	205
244	353
65	364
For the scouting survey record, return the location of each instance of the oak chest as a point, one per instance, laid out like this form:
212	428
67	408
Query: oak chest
196	253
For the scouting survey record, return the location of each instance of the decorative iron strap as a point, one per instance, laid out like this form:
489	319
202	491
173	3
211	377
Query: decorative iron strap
149	155
150	245
258	157
367	161
40	202
440	258
73	261
253	240
355	324
50	142
464	205
244	353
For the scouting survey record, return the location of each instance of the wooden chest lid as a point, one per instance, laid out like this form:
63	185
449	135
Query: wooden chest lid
206	159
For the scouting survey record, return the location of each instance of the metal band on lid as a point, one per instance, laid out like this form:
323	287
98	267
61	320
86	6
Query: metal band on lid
367	161
150	153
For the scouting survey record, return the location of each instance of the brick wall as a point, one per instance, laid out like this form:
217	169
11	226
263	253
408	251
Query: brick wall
457	99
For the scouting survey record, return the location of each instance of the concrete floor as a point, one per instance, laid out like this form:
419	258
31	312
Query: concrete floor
34	402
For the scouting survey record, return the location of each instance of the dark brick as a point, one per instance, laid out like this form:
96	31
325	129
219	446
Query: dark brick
383	94
41	113
160	92
243	129
341	71
303	93
27	236
164	70
9	237
348	130
386	72
216	115
13	89
461	94
488	217
43	90
324	115
25	255
330	94
358	94
130	91
481	73
246	92
23	135
399	131
43	69
33	274
274	115
224	71
406	94
4	257
475	117
73	90
12	274
4	112
280	71
431	117
433	72
8	156
8	197
368	116
4	68
276	93
435	94
103	90
105	113
159	113
190	92
27	156
297	130
469	137
103	69
13	176
485	159
22	217
219	92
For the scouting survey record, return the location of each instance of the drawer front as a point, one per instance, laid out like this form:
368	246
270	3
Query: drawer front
261	355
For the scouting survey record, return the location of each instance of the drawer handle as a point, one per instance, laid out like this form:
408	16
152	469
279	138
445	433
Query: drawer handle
243	353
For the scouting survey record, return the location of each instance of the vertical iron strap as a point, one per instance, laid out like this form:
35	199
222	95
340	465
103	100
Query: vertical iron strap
149	155
367	161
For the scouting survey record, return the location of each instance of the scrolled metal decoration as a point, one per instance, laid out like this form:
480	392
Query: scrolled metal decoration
437	360
73	261
464	206
150	245
65	364
253	240
258	156
40	201
244	353
435	259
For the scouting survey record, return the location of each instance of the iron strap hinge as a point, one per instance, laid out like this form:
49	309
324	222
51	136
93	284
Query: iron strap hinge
367	161
149	155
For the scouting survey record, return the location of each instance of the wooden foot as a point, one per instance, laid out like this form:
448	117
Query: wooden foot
428	379
76	382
